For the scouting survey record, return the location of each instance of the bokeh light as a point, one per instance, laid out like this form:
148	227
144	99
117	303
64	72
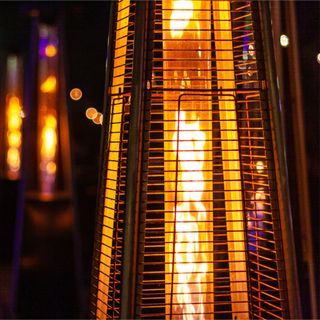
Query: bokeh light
91	113
14	139
13	158
259	166
50	50
51	167
284	40
49	85
75	94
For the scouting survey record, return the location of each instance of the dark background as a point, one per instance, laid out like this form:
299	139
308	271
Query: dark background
85	41
55	294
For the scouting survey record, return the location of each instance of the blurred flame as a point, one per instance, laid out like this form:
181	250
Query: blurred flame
48	153
180	17
14	123
13	159
50	50
51	167
49	139
14	139
13	113
49	85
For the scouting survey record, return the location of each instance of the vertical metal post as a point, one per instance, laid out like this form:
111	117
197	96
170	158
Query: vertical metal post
68	167
276	28
19	224
103	152
131	220
281	170
296	103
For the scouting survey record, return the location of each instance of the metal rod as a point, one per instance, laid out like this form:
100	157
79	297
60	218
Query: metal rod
17	247
300	151
175	210
68	166
103	157
281	169
276	27
131	220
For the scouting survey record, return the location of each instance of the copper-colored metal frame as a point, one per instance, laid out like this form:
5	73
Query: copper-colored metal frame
130	282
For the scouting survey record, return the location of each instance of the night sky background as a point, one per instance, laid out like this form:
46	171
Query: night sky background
86	29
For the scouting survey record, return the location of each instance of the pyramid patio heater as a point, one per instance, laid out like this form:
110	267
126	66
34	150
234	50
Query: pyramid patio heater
46	231
192	211
49	173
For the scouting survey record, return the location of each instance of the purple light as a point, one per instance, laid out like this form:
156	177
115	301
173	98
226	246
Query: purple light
42	47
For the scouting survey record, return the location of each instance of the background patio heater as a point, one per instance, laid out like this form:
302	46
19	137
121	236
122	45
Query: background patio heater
47	242
192	222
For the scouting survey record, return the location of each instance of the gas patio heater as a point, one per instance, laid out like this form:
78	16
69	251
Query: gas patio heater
192	220
46	230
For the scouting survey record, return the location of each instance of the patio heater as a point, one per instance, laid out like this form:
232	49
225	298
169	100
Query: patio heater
47	245
52	151
193	220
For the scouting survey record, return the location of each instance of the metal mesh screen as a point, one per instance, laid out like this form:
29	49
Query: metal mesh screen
108	247
209	231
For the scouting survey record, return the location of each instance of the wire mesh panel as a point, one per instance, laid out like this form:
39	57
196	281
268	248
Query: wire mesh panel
108	249
209	238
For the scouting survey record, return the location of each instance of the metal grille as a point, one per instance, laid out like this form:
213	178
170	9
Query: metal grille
108	248
209	232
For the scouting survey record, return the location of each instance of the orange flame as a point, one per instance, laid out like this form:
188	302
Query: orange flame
48	151
49	85
49	137
188	142
180	17
14	123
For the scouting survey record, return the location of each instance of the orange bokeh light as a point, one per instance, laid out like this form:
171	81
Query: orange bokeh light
14	139
91	113
98	119
50	50
75	94
49	137
49	85
13	158
51	167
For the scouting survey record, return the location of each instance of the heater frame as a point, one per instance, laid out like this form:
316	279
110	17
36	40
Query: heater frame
289	252
132	234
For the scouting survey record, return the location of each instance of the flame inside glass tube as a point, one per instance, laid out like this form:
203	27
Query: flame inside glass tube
188	160
48	109
14	123
48	153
